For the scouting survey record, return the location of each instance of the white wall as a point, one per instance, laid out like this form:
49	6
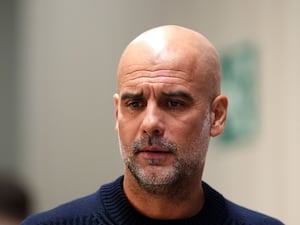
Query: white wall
7	91
68	54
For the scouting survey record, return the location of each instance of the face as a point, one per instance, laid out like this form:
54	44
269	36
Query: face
163	119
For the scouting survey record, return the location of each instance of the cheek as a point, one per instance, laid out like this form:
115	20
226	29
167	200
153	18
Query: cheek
127	130
192	133
186	128
126	137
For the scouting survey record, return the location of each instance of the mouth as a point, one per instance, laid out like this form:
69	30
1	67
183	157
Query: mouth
154	148
154	152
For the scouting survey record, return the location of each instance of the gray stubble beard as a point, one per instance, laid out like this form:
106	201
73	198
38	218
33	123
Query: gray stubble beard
174	181
169	182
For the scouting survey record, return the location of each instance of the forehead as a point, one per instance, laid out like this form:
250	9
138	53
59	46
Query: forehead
145	65
159	80
164	76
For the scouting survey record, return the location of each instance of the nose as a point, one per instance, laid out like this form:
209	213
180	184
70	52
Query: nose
153	123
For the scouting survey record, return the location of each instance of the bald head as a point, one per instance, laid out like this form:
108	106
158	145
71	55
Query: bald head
162	47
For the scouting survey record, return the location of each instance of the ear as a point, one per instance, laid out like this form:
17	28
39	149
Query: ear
218	115
116	103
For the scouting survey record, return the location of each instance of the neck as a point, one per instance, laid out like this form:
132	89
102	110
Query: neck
183	203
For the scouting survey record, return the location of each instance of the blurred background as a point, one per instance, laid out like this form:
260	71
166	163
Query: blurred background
57	77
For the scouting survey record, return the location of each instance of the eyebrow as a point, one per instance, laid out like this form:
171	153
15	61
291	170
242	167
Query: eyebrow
128	95
180	94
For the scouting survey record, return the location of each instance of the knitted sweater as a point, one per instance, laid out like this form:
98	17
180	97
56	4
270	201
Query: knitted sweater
109	206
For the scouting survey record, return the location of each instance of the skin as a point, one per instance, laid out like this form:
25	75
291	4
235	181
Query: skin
167	107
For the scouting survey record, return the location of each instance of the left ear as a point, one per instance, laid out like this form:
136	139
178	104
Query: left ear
218	115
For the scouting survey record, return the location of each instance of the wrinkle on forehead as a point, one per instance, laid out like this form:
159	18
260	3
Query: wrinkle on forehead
155	76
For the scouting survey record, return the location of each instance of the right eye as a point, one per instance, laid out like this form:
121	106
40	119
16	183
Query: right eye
135	104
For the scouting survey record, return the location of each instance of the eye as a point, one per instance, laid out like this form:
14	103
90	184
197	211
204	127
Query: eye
174	104
135	104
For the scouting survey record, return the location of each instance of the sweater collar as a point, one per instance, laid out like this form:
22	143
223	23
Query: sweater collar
120	211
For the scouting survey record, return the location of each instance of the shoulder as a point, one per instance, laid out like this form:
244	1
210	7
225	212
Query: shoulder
244	216
80	209
232	213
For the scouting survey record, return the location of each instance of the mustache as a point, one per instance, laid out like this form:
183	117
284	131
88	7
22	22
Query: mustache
151	141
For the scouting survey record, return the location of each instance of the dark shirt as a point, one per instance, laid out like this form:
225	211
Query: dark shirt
109	205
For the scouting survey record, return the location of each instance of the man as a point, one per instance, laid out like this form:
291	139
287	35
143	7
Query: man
167	107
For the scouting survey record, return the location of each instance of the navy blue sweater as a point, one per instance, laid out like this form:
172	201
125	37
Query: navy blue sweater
109	205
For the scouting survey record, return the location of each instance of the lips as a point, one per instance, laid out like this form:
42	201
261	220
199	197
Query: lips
154	148
154	152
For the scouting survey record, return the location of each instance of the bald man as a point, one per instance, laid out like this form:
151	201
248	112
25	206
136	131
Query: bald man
167	108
